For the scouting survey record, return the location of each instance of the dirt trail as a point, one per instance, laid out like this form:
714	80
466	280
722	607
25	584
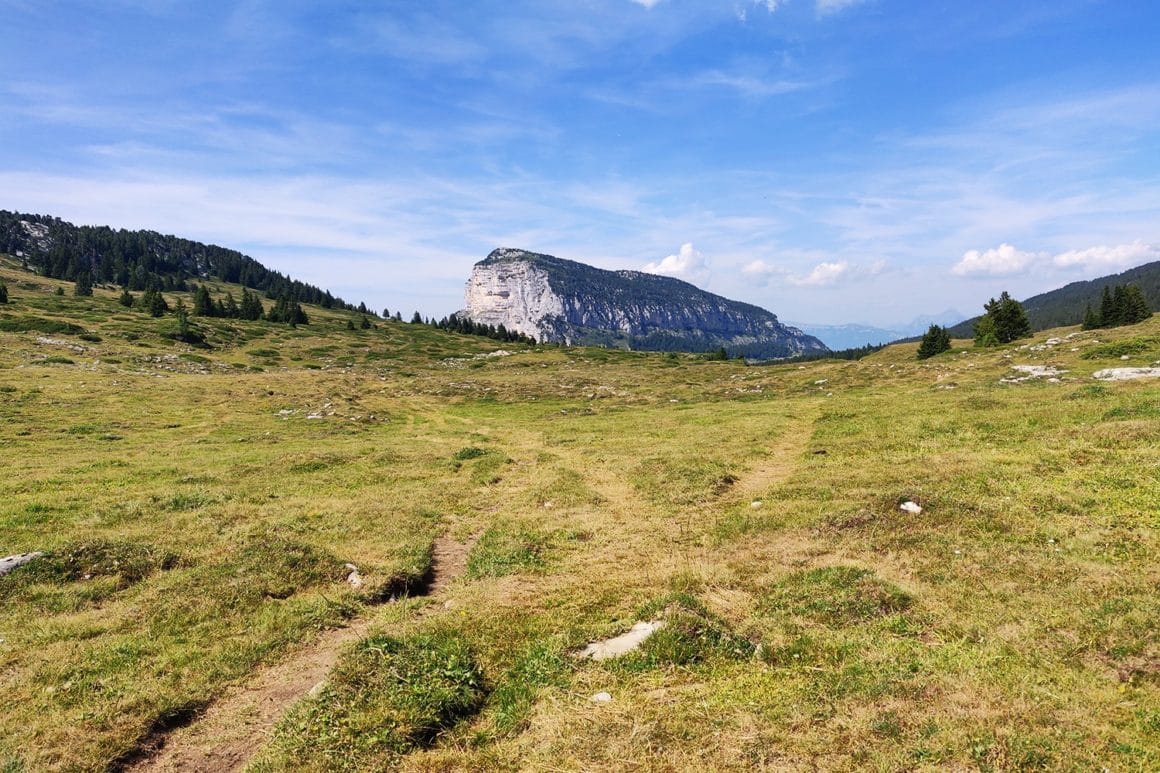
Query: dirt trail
237	725
781	459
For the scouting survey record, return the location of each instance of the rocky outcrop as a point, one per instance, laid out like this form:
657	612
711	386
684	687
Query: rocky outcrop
562	301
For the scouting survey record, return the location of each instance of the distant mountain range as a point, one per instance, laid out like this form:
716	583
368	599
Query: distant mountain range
559	300
1066	305
851	336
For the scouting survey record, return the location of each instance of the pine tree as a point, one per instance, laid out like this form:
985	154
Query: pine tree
84	285
1091	320
126	298
365	324
3	293
417	319
1107	308
1136	305
202	302
251	306
1008	319
935	341
985	332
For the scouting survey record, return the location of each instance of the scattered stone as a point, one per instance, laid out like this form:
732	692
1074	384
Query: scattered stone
821	381
601	697
911	507
623	644
756	503
1126	374
819	452
314	416
354	578
317	689
1125	357
8	563
1032	371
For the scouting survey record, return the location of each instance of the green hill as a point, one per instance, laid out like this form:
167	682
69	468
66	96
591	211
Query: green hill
1066	305
142	259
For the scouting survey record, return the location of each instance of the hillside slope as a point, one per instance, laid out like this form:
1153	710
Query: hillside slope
564	301
140	259
1066	305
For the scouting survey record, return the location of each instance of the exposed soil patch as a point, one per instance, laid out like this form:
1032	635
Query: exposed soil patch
234	727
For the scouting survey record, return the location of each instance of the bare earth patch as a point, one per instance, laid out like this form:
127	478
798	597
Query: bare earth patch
236	726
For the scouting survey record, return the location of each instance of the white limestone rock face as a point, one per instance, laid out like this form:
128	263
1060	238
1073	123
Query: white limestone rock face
515	294
563	301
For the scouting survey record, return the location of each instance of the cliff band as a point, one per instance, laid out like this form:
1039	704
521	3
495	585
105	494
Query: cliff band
563	301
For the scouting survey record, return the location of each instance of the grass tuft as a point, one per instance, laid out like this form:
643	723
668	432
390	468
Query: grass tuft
385	698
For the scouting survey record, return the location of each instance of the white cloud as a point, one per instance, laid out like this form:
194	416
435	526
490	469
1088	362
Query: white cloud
688	264
827	7
824	274
1003	260
647	3
760	268
1105	257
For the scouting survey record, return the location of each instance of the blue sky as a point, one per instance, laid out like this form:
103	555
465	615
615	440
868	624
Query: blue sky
831	160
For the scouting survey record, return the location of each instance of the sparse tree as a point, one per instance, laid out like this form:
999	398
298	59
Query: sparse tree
3	293
1008	321
417	319
1091	320
936	340
365	324
126	299
84	285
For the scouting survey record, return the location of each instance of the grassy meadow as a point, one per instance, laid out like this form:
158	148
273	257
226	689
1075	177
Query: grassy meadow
198	507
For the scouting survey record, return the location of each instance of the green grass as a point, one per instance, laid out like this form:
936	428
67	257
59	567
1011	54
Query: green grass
384	699
198	524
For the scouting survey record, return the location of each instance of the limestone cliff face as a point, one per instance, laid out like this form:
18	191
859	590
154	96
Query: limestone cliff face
567	302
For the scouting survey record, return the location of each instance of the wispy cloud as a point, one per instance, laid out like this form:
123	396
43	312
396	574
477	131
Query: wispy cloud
828	7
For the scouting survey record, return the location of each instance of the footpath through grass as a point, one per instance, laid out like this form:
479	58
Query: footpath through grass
198	508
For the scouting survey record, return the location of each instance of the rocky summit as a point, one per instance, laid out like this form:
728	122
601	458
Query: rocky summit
563	301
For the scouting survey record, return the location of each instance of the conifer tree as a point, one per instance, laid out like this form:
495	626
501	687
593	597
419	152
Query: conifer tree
1091	320
202	302
126	298
1136	305
3	293
936	340
365	324
1007	321
84	285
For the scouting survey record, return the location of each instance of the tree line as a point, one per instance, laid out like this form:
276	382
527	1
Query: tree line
1119	305
142	260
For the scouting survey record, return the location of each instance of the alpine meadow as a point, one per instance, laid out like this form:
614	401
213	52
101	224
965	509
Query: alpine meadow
642	386
318	547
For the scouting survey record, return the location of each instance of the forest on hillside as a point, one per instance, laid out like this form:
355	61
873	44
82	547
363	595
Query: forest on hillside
141	260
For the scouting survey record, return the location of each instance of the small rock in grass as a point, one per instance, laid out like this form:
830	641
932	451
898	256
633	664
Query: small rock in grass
8	563
601	697
910	507
756	503
354	578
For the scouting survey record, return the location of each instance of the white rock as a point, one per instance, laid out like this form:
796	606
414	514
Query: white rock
910	507
756	503
601	697
1126	374
354	578
8	563
1125	357
623	644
